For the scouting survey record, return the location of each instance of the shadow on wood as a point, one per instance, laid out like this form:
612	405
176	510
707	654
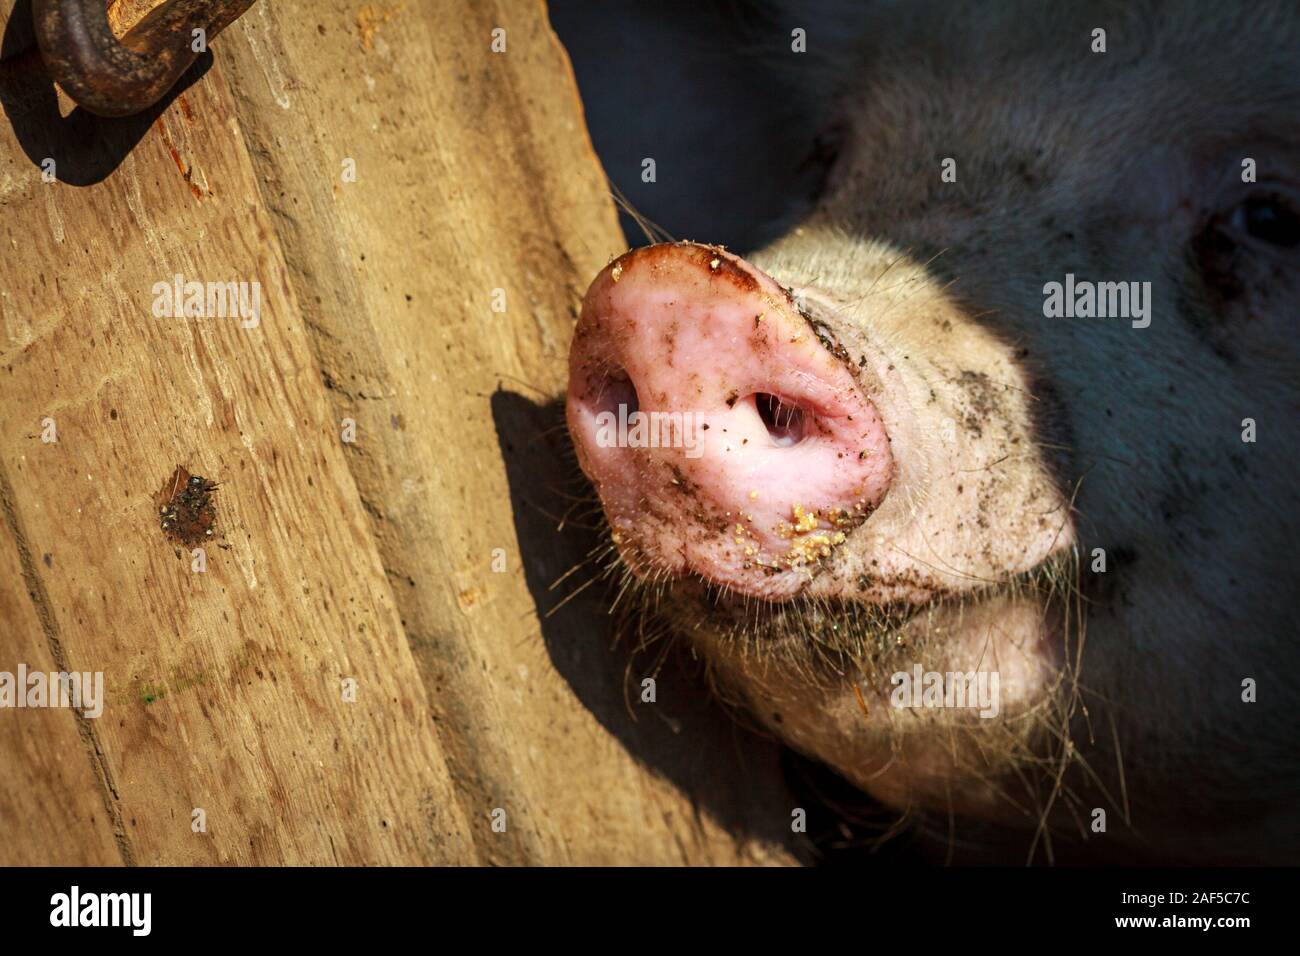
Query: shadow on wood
685	735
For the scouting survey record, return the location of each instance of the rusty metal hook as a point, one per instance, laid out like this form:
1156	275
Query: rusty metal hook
113	77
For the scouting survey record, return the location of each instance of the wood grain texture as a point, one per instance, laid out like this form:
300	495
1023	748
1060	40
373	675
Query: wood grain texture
374	558
56	809
223	687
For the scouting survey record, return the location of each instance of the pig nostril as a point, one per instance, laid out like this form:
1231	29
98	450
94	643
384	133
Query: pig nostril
785	421
616	392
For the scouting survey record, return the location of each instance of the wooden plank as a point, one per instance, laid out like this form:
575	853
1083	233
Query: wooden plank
224	688
474	174
55	810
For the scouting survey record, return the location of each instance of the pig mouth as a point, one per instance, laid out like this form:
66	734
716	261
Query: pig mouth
846	622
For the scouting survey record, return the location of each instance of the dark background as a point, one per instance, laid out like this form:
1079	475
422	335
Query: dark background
711	92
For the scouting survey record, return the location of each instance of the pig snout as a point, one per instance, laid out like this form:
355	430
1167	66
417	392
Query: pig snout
727	434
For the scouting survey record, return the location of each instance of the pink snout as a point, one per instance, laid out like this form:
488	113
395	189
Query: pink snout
725	437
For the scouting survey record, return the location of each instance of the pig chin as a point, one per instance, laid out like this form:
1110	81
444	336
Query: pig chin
835	680
827	539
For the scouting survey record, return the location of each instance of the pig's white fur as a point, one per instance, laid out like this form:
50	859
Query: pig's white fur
1106	166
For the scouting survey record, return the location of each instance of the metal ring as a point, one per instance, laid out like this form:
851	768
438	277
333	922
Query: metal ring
113	77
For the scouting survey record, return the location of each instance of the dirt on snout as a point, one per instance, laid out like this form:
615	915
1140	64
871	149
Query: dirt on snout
186	511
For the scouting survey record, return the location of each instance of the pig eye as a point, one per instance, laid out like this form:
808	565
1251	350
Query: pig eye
1267	219
1246	254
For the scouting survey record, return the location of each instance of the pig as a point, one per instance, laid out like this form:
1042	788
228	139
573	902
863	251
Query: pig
974	484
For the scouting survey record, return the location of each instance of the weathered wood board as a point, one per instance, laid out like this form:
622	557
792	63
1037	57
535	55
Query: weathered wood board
388	490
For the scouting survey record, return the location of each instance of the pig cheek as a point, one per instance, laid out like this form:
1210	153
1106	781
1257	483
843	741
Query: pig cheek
923	758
